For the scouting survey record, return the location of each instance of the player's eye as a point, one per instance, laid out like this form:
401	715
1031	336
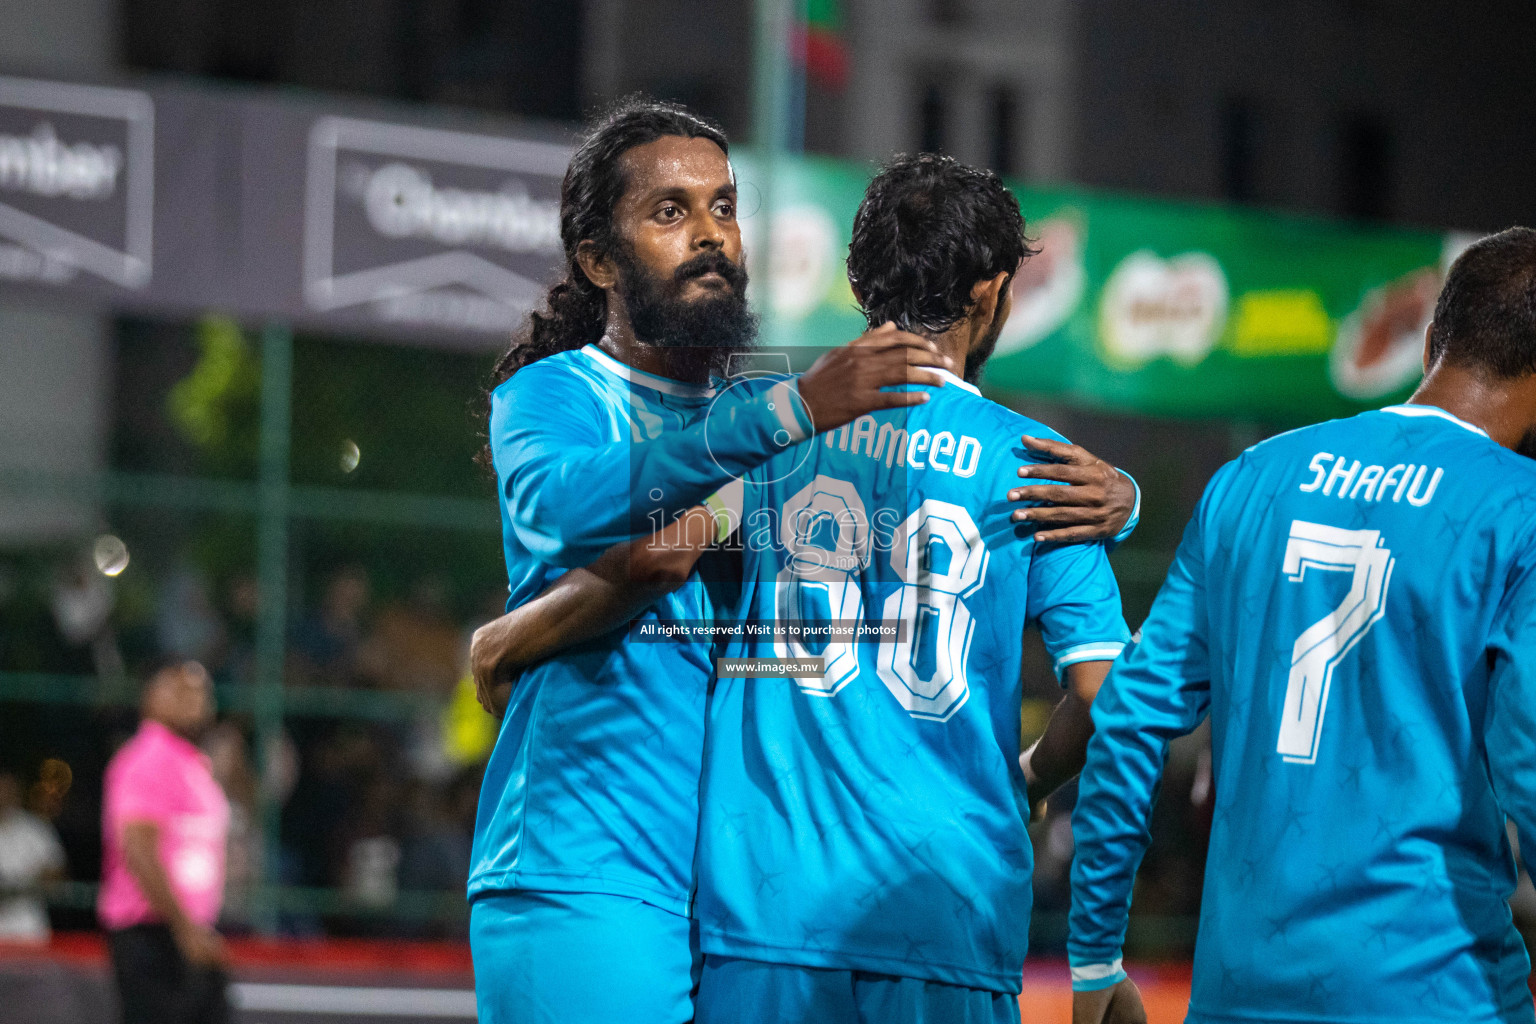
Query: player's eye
725	209
669	212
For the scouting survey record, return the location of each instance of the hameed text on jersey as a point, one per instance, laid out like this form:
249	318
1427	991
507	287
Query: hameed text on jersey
873	818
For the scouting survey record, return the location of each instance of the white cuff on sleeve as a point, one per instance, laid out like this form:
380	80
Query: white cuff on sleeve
1092	977
1107	650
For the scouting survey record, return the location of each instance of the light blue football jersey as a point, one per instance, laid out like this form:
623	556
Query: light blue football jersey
593	783
874	818
1354	605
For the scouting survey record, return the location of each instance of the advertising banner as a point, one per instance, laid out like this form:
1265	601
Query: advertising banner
1150	307
429	228
377	226
77	184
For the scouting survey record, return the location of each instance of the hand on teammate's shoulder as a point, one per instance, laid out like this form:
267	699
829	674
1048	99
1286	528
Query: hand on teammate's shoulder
1088	499
846	382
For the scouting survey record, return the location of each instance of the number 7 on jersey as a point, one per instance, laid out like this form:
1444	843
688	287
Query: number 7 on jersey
1323	644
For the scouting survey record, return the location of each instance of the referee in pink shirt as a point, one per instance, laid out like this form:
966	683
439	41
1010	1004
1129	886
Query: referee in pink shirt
164	825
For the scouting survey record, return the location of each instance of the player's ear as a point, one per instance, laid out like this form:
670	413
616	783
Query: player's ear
1428	333
599	269
985	295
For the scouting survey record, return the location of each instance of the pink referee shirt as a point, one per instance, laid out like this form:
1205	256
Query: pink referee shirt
159	776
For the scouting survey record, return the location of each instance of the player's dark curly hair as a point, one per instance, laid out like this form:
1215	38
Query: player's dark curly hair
928	230
1485	318
575	310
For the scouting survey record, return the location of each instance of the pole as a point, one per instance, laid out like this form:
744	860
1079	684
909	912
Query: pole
272	586
772	94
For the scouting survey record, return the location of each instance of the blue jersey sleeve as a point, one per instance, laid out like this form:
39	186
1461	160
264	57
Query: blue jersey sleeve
1075	601
571	492
1135	520
1159	690
1510	729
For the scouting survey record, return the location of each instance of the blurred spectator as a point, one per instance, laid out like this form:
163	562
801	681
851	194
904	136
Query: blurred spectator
187	625
82	601
326	642
232	770
415	645
437	847
165	824
242	606
336	767
30	855
372	876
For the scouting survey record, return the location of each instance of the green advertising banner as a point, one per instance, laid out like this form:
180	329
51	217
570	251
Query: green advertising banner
1160	308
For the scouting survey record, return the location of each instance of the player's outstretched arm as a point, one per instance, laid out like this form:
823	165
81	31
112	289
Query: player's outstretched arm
1159	689
571	492
1088	499
585	603
1118	1004
1059	753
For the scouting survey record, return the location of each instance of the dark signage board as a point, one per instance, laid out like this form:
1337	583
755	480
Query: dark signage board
428	228
77	186
349	220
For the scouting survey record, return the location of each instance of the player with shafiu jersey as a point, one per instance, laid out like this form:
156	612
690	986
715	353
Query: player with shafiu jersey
1354	607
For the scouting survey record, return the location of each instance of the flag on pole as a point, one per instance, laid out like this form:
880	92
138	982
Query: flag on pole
819	46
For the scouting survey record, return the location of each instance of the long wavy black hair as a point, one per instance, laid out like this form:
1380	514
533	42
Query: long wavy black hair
575	310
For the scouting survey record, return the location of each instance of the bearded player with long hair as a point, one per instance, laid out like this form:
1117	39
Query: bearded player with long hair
584	841
584	846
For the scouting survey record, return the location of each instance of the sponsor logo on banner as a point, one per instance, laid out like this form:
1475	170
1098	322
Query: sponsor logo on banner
76	183
1174	308
803	259
804	265
1380	346
1048	287
422	226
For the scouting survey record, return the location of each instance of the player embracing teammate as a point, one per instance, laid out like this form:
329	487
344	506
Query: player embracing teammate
585	843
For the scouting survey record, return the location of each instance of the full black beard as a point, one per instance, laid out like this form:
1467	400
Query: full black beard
977	357
697	337
1527	445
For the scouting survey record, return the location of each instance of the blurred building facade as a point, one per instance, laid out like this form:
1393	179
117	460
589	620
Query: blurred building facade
1375	109
53	398
1369	109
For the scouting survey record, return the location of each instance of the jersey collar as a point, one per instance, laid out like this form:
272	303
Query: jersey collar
666	385
1431	410
950	378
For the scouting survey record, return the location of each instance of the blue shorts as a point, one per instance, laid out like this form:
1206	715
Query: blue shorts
750	992
581	958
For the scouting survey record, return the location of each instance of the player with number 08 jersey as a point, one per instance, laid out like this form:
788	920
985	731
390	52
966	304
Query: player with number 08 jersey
584	604
864	852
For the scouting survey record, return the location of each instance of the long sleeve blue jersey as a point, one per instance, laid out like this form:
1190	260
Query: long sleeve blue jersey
874	817
593	782
1354	606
